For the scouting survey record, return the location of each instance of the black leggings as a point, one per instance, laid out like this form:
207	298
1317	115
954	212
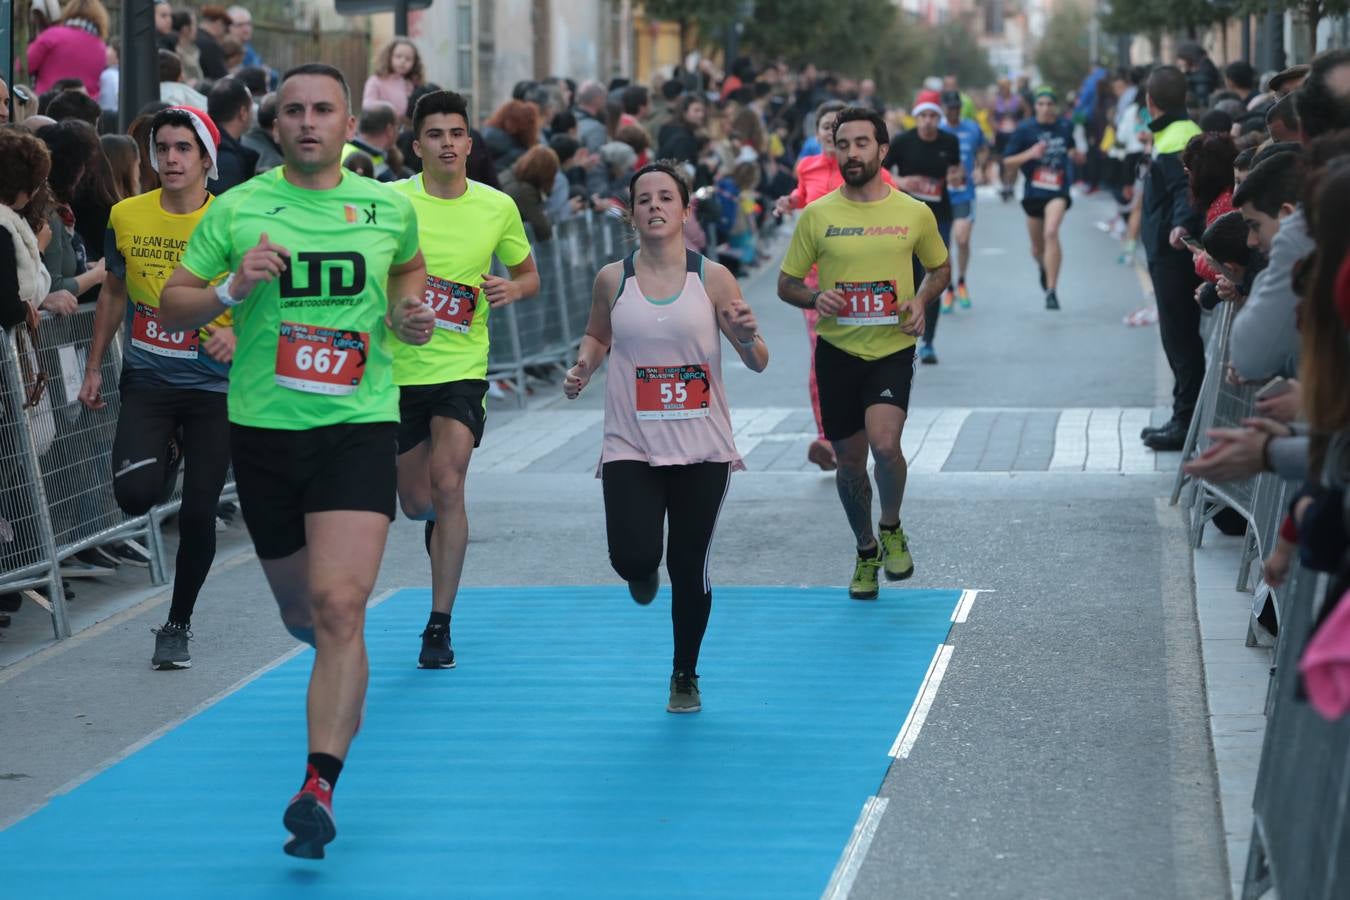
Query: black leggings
149	417
638	499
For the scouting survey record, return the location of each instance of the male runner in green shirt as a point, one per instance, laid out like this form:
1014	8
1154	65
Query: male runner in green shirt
443	383
321	266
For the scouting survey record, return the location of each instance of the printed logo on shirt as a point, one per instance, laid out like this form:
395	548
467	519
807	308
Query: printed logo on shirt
353	214
872	231
323	279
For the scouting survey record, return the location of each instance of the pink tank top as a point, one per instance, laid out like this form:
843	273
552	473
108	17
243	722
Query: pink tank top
664	400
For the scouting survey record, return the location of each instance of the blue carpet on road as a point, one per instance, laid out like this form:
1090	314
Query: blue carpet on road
544	766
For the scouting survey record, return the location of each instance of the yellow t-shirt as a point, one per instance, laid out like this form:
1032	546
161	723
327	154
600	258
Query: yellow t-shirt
867	251
459	238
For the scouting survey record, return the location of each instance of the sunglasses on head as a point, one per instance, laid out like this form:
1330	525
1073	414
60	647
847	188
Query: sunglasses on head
21	94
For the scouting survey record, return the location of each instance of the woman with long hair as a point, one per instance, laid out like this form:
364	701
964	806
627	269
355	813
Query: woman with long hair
398	70
668	454
510	131
72	48
124	164
139	131
74	148
529	183
1208	160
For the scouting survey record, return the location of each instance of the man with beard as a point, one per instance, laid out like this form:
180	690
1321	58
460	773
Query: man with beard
863	238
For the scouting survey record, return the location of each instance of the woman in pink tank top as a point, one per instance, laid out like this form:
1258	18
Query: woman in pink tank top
668	451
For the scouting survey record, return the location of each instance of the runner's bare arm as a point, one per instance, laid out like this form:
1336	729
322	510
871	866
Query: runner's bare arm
794	292
522	284
187	301
1013	163
409	317
735	317
934	282
108	314
599	333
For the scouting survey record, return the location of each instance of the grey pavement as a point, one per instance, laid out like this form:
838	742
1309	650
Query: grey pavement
1067	752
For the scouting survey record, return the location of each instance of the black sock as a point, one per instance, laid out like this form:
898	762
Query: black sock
438	619
885	527
870	553
328	767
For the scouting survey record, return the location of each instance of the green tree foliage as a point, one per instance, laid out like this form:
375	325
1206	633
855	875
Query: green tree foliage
1062	55
956	52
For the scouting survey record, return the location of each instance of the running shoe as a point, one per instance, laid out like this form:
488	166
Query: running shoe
897	562
309	818
963	295
1051	301
864	583
684	694
436	650
130	552
643	590
820	453
171	648
948	300
927	355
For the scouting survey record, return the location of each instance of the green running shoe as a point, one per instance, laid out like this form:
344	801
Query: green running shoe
684	693
899	564
864	583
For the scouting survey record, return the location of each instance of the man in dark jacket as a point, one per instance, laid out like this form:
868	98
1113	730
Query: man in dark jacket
1168	218
260	139
1202	76
230	106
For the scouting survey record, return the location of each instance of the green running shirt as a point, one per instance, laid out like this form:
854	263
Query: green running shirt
313	349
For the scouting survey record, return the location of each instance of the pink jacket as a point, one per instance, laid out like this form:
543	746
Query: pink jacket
392	89
63	52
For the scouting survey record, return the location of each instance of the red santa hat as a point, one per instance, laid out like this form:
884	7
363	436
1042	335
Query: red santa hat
927	101
206	132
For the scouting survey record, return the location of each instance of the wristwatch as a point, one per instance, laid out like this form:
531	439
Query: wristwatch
749	343
223	292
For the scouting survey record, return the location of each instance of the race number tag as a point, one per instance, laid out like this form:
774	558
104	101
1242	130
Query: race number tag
453	303
868	303
321	360
672	392
927	189
1047	179
147	334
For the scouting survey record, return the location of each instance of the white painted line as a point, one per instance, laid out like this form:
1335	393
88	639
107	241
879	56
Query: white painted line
1135	458
1103	435
938	443
864	830
962	611
1070	440
918	713
533	437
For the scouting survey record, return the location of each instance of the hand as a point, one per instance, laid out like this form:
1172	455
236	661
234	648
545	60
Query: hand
44	236
1236	452
500	291
91	391
831	302
576	204
576	380
782	206
1227	290
1276	566
219	344
740	319
914	322
413	321
1175	238
99	268
1079	157
1038	151
1200	290
956	177
1286	407
262	263
62	303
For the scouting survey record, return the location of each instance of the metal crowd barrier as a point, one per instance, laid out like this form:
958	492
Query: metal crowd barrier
545	331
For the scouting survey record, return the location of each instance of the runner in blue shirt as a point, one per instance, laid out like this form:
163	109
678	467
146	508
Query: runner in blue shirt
1043	148
971	138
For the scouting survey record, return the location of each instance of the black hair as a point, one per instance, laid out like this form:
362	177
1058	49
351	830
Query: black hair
635	97
563	121
226	99
521	88
672	89
439	102
565	146
179	118
254	78
862	114
1265	153
1243	160
1320	109
1253	123
1216	120
829	106
1271	184
74	105
170	66
181	19
267	112
74	146
417	94
1241	74
1226	239
323	69
376	119
1167	89
666	167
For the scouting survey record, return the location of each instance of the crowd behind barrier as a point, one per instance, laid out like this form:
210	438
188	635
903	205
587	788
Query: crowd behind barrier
1301	830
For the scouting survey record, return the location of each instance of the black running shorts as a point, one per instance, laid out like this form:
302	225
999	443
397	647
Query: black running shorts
849	384
1034	207
458	400
284	475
